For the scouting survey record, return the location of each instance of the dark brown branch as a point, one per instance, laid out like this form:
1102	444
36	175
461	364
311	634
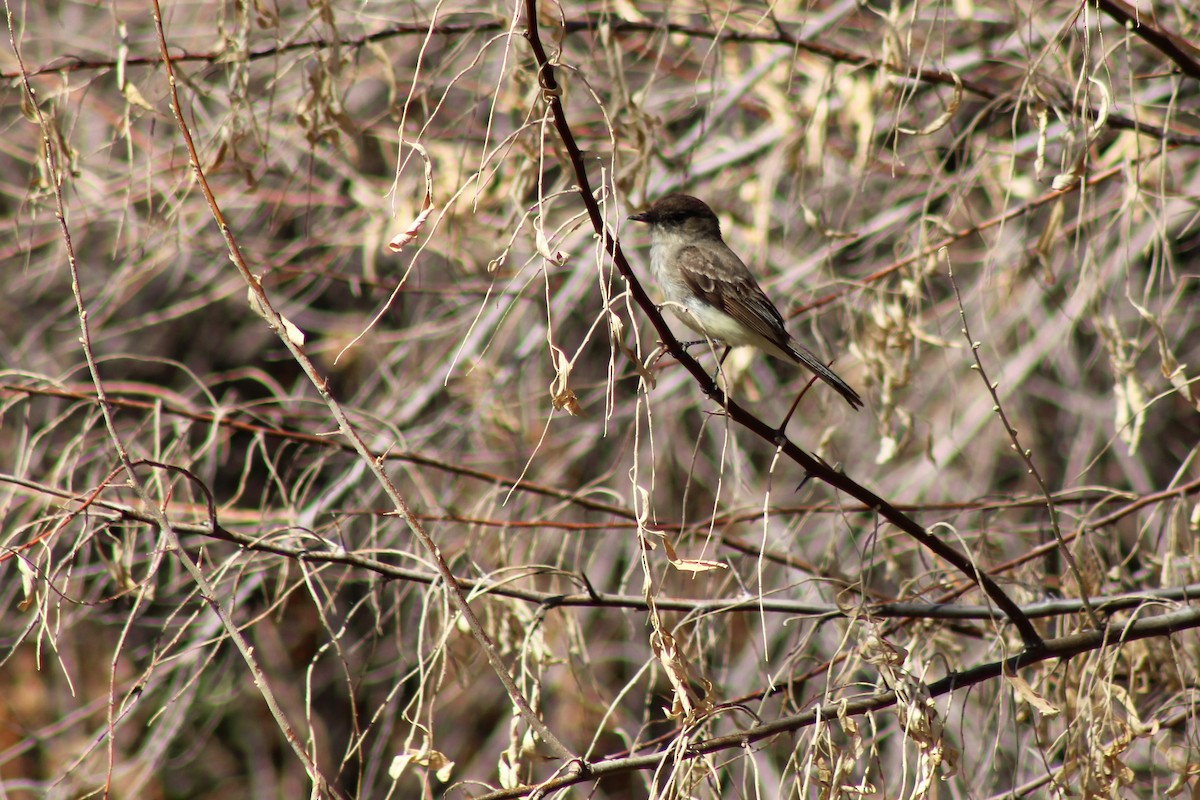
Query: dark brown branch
812	466
1066	647
1169	44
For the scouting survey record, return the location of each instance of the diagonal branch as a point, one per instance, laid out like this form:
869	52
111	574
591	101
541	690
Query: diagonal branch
552	95
1063	648
1170	44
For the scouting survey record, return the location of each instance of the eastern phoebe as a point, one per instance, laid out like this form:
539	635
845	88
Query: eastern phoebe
710	290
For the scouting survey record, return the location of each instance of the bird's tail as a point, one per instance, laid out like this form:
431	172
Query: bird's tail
806	357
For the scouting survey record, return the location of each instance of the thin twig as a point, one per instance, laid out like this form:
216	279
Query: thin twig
51	155
348	430
1026	455
1165	42
939	608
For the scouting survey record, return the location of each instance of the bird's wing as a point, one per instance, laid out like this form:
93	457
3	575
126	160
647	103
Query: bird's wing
731	288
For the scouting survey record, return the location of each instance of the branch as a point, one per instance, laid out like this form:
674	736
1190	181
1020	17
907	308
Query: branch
110	511
1168	43
1179	50
1063	648
402	510
551	93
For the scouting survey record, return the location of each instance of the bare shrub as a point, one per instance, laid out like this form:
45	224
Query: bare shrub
228	535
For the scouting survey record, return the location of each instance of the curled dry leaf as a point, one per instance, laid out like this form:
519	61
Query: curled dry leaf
687	705
628	11
1029	695
509	773
617	328
293	333
1102	111
556	257
135	96
1071	177
944	118
1050	235
1043	122
28	577
397	243
561	393
888	448
915	709
1172	369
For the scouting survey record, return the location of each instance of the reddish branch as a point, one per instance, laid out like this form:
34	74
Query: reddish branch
108	512
1170	44
174	405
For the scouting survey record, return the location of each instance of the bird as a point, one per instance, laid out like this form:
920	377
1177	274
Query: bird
711	291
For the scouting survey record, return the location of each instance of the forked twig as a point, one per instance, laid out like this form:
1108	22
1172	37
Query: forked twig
375	465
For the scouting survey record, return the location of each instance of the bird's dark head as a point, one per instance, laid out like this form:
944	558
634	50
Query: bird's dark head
681	214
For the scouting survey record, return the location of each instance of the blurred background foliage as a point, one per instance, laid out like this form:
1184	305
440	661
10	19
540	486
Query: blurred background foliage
1047	153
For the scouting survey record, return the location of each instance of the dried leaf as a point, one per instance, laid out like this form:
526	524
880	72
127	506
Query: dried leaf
1172	370
687	705
1064	181
944	118
542	242
888	447
1102	111
135	97
1130	411
689	564
293	333
1027	693
1050	232
397	243
561	393
28	574
441	766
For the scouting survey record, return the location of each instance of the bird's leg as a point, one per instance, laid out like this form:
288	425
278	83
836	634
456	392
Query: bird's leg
720	363
782	429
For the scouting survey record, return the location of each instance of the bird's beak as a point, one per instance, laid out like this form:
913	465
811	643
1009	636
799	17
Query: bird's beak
644	216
